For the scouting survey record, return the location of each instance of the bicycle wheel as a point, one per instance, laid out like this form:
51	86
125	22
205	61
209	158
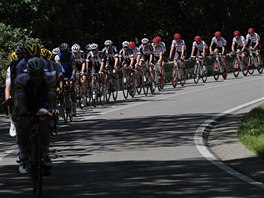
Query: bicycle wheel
115	88
36	166
182	73
224	73
251	65
216	70
236	66
125	86
260	66
64	108
102	94
174	76
132	87
145	83
204	72
70	109
139	83
245	70
108	85
196	75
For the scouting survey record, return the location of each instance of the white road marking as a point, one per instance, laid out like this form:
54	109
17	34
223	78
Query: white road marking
205	152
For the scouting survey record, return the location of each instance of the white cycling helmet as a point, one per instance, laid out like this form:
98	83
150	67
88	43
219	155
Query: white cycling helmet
144	41
75	47
56	50
94	46
125	44
108	42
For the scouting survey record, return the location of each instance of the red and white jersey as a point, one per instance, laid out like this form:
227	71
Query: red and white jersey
178	45
254	38
240	41
157	50
219	42
200	46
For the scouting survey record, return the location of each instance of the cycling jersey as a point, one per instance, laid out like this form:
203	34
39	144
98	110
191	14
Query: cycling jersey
240	41
157	50
178	45
145	50
66	61
221	42
135	52
110	53
79	58
163	47
126	56
200	46
251	40
95	58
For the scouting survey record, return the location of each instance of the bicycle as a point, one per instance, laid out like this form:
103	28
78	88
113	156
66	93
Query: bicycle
178	74
200	69
65	102
159	81
218	67
254	63
112	85
142	79
238	65
128	82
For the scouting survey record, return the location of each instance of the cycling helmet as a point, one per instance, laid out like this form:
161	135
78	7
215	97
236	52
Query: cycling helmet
56	50
94	46
44	52
125	44
144	41
159	39
88	47
132	44
36	68
250	30
177	36
155	40
217	34
236	33
32	50
108	42
75	47
197	38
64	47
20	49
12	56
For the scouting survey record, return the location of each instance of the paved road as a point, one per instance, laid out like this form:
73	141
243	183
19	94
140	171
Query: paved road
143	147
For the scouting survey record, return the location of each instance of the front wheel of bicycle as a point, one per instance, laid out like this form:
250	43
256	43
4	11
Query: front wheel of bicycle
204	73
196	75
245	70
251	65
125	86
236	66
174	80
216	70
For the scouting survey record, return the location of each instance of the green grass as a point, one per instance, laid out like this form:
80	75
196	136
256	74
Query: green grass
251	130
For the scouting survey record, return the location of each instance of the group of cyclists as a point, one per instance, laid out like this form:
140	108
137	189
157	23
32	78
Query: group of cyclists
36	75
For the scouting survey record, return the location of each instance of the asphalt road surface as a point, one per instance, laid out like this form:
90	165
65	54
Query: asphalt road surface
142	147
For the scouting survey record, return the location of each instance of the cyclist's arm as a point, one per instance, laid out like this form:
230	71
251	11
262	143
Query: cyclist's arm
233	47
171	51
192	51
182	52
160	57
223	50
211	48
101	66
256	45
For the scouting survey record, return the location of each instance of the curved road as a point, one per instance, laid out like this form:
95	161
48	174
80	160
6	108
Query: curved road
143	147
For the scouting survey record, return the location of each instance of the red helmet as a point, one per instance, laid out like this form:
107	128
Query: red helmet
155	40
177	36
217	34
197	38
250	30
236	33
158	38
132	44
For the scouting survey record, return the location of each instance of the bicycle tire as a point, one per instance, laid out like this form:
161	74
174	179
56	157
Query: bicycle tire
139	83
174	80
251	65
115	88
182	74
108	91
196	75
205	73
125	87
236	66
216	71
245	70
145	84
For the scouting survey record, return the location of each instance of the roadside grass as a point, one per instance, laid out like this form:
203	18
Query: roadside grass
251	130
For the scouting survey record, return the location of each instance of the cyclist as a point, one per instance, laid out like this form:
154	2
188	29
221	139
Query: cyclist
145	54
239	45
126	58
34	89
217	45
253	42
158	53
132	46
65	59
111	55
95	60
179	46
199	48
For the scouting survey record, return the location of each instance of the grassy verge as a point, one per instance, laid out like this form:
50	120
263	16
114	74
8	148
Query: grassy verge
251	130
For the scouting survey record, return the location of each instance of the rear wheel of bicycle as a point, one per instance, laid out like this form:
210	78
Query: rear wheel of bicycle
196	73
174	80
236	66
183	77
145	84
63	108
245	70
216	70
115	88
108	91
205	73
139	83
260	68
125	86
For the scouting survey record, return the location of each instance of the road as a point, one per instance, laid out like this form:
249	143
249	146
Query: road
142	147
